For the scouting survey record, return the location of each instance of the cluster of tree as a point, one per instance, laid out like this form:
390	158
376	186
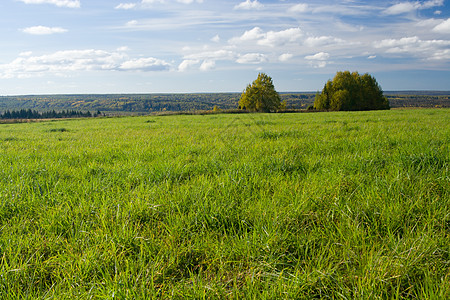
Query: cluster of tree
261	96
34	114
351	91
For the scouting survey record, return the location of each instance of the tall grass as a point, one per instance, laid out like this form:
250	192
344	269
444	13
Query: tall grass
348	205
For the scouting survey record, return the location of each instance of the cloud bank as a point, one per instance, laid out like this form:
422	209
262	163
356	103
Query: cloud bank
43	30
61	63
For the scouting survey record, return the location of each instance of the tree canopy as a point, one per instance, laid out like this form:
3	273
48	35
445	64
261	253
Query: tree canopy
260	95
351	91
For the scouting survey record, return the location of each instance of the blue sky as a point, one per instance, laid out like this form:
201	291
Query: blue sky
152	46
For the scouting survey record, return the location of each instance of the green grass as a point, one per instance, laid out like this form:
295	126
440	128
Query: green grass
351	205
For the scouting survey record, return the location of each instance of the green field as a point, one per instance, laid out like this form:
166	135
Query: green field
348	205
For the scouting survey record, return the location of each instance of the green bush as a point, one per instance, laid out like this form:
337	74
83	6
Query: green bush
351	91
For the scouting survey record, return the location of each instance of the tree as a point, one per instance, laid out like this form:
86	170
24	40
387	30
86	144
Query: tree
351	91
260	95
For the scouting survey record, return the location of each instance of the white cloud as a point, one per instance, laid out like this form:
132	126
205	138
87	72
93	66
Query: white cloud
251	58
424	49
280	38
299	8
441	55
187	64
148	2
123	49
318	56
285	57
432	3
317	41
249	35
69	61
208	65
430	23
26	53
270	38
372	57
132	23
348	27
126	6
396	42
212	55
152	1
443	27
215	39
318	60
248	4
189	1
207	58
406	7
145	64
59	3
43	30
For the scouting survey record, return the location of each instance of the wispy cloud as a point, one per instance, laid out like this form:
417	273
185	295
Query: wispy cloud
43	30
401	8
148	3
221	54
59	3
299	8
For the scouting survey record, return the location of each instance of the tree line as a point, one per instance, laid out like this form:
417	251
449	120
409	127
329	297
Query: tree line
142	103
34	114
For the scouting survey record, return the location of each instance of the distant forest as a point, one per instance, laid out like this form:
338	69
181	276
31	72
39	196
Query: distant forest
150	103
34	114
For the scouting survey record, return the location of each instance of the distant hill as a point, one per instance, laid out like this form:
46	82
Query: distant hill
418	93
148	103
418	98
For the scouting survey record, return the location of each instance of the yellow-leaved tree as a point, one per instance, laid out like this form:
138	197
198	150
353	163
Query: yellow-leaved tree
260	96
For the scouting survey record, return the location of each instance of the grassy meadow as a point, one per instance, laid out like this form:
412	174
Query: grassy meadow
345	205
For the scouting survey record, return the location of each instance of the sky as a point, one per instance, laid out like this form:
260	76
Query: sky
187	46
